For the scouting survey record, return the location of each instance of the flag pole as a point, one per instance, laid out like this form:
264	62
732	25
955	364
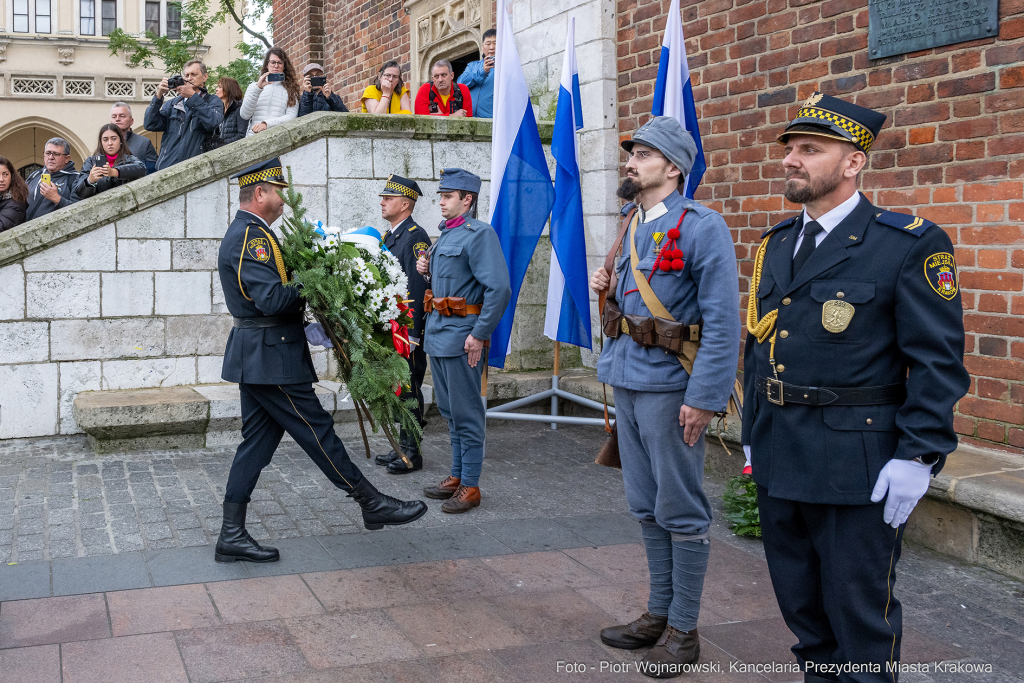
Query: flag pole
554	383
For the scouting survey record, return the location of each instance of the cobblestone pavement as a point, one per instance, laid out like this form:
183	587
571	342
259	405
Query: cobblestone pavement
58	499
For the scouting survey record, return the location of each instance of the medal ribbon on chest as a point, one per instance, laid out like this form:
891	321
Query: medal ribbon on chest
671	256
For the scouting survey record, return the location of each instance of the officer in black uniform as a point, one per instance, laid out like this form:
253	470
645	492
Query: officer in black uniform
268	356
407	241
852	367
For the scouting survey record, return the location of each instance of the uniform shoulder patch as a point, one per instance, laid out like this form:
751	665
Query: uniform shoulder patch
258	248
420	249
915	225
784	224
940	271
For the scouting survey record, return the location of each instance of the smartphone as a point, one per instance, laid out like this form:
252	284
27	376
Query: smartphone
45	178
318	81
275	78
101	160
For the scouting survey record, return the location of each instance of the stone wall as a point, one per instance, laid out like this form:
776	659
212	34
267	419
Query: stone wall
121	291
952	149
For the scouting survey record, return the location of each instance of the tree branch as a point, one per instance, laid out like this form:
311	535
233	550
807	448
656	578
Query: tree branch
229	6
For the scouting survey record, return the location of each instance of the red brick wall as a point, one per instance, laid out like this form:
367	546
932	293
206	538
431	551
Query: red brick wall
951	151
299	30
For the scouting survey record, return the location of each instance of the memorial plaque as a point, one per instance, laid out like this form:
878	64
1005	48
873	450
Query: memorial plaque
899	26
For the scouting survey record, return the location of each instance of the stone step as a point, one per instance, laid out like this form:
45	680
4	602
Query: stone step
201	416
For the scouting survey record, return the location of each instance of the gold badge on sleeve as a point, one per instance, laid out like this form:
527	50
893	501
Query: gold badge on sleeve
259	249
836	315
940	270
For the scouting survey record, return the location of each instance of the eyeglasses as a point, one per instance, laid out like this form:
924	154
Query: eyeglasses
54	154
643	155
274	62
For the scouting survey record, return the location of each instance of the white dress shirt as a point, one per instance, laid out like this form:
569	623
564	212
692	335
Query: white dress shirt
828	221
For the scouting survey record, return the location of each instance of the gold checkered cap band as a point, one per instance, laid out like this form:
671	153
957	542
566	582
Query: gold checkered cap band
859	135
400	189
267	175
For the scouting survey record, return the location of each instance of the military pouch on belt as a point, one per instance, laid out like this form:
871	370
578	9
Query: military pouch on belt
641	329
612	319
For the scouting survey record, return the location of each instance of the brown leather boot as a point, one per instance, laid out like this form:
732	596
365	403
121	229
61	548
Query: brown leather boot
443	491
636	634
464	500
673	650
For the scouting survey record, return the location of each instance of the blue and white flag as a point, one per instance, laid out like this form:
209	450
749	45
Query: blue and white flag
673	95
521	192
568	314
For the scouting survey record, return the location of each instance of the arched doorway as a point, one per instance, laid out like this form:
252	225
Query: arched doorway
22	142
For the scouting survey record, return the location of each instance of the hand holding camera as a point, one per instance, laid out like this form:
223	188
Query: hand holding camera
488	64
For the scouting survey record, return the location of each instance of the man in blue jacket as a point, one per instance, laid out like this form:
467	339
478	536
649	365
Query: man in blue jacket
268	356
47	197
469	292
187	120
672	363
852	366
479	78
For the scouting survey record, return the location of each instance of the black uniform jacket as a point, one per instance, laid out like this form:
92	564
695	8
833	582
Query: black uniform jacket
252	275
408	242
897	272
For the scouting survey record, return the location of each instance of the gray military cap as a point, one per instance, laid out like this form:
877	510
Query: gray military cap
666	135
458	179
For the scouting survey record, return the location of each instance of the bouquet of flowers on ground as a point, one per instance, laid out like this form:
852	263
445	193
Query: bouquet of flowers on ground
356	289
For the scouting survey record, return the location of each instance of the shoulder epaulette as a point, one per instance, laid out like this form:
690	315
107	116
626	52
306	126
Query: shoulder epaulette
624	211
915	225
784	224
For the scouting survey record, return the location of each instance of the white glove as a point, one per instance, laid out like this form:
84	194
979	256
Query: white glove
906	481
746	453
316	336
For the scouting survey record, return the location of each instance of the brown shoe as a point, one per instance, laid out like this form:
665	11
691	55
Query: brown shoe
464	500
443	491
673	651
636	634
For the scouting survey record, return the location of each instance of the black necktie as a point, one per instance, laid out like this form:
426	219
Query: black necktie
811	231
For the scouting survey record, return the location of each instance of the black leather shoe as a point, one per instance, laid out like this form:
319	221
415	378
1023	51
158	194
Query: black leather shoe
235	544
380	509
671	653
636	634
385	459
398	466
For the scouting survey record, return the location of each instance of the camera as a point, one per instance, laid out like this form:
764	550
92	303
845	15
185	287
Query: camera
175	81
318	81
275	78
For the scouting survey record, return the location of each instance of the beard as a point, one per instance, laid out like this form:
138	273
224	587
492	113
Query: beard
815	189
629	189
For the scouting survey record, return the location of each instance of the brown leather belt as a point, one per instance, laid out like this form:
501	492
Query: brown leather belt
449	305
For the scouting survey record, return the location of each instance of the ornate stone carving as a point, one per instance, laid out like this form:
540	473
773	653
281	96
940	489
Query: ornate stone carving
65	54
3	51
445	28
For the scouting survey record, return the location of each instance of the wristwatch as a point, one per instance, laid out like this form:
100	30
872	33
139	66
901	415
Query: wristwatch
928	459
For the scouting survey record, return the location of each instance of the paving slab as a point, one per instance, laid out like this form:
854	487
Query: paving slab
21	580
177	566
151	658
91	574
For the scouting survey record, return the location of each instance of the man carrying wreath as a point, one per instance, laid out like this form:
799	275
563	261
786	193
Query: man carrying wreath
268	356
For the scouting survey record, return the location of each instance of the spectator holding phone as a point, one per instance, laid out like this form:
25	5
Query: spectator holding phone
234	126
443	97
13	196
317	94
53	186
110	166
186	120
274	98
479	77
388	94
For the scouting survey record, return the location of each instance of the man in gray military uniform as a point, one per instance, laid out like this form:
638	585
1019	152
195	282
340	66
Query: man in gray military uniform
672	363
468	295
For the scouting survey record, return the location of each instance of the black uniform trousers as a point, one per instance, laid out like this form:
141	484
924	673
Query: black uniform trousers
417	371
270	410
833	568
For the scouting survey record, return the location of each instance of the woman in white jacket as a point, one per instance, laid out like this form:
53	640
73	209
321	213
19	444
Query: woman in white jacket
272	99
